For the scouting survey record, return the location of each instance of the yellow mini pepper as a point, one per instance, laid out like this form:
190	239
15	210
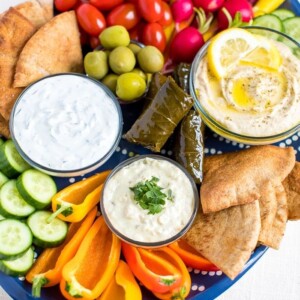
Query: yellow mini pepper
262	7
74	202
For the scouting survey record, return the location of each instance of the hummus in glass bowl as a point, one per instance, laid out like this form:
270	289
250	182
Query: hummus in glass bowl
250	104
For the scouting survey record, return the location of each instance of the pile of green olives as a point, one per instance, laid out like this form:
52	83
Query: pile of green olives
123	66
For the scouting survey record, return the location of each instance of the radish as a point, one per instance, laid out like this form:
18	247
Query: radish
239	10
208	5
186	44
182	10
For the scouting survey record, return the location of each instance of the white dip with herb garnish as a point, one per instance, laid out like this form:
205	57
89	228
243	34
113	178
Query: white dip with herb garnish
150	200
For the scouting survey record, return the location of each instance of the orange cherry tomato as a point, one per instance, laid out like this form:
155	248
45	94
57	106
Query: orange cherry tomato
106	4
167	17
151	10
125	14
153	34
90	19
64	5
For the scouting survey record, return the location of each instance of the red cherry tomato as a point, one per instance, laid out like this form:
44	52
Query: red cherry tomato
125	14
167	17
90	19
105	4
151	10
94	41
153	34
84	38
64	5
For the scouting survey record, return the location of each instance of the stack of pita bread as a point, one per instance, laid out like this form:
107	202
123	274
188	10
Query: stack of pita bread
34	44
246	198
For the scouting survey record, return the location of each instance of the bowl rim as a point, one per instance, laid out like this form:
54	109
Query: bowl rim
160	243
197	105
69	172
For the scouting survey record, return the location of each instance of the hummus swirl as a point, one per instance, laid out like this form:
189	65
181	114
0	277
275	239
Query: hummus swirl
251	100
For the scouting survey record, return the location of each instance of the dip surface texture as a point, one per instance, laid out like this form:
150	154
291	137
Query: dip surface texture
134	222
65	122
252	100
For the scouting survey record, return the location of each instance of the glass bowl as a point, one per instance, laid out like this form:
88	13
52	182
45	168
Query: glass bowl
135	225
59	126
219	125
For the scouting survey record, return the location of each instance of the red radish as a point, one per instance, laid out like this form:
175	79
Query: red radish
233	7
208	5
182	10
185	45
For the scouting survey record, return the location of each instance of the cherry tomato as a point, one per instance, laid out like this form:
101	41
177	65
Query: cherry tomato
167	17
64	5
153	34
125	14
90	19
94	41
84	38
105	4
136	33
151	10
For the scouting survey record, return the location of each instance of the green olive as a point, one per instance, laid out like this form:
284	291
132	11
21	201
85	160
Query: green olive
134	48
121	60
130	86
95	64
150	59
110	80
139	72
114	36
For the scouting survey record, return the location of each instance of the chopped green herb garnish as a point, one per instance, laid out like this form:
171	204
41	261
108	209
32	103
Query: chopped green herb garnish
149	195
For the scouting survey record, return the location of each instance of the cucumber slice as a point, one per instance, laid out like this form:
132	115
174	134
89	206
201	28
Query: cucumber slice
36	188
3	179
283	13
47	234
15	239
11	163
12	204
1	141
292	29
269	21
19	266
2	218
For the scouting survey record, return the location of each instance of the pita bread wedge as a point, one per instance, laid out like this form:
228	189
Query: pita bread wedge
227	237
48	8
8	98
274	215
238	177
4	128
54	48
292	187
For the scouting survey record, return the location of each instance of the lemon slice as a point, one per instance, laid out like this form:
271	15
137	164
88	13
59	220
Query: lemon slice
228	47
266	56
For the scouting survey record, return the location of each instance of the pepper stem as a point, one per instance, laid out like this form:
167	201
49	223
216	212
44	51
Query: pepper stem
61	209
37	284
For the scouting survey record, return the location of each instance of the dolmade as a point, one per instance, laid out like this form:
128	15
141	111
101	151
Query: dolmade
181	75
161	116
189	145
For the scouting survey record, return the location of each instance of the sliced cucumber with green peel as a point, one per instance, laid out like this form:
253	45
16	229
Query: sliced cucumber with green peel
12	204
2	217
47	234
15	239
1	141
283	13
36	188
11	163
292	29
3	179
19	266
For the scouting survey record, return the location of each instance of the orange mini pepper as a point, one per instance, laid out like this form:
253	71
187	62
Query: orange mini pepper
91	269
47	269
156	273
191	257
122	286
183	290
72	203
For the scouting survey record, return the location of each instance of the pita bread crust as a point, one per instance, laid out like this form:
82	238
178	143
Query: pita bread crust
54	48
237	178
274	215
228	237
292	187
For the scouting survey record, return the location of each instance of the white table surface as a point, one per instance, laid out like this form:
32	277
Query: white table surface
276	276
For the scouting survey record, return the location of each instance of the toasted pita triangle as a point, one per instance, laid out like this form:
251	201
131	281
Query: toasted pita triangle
227	237
274	215
292	188
238	177
54	48
48	8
